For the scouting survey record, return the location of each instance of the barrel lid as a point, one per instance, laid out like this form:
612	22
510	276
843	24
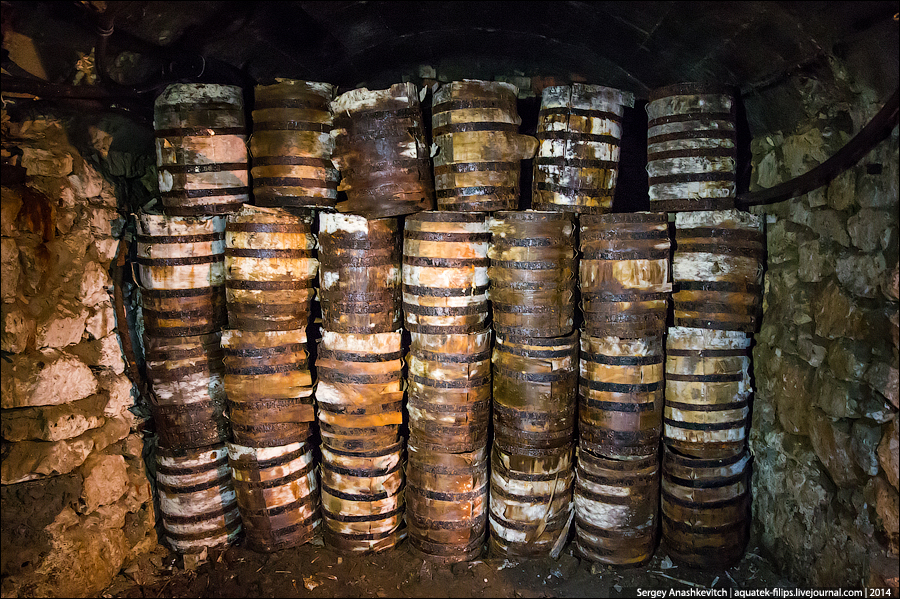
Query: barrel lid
691	89
201	93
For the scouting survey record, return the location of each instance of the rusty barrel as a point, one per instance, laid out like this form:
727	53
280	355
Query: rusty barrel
533	273
447	503
445	273
359	274
705	508
530	501
577	163
691	147
475	126
449	383
620	395
381	151
269	386
196	498
624	274
180	268
717	268
270	269
186	375
535	393
708	390
201	151
360	390
616	508
362	499
291	145
277	493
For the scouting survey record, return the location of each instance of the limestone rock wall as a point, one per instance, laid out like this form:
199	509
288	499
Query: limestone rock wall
77	504
825	422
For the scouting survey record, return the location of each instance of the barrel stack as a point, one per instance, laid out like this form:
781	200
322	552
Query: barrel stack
717	271
360	390
445	306
270	272
624	279
535	360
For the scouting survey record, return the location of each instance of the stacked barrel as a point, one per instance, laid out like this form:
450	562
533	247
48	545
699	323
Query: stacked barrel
292	145
270	272
445	305
360	389
624	276
535	361
717	273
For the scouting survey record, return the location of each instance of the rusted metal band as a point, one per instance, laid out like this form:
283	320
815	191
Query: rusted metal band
175	208
716	308
616	406
228	530
257	352
471	524
693	178
293	161
717	407
163	239
291	253
723	529
596	192
354	497
248	438
477	190
735	377
554	525
636	537
708	426
374	309
724	286
480	203
474	407
442	358
223	481
691	89
697	463
530	499
183	261
735	323
447	217
617	387
500	103
214	292
448	552
699	115
207	467
315	104
360	410
205	413
586	112
249	485
537	265
469	430
695	134
213	515
526	310
693	153
199	132
704	233
584	163
154	328
473	470
310	500
630	297
444	330
709	353
464	496
331	262
366	518
541	417
374	114
333	376
476	167
594	232
503	348
571	340
457	384
186	108
293	182
385	165
268	369
267	198
627	479
362	472
445	291
577	137
605	437
548	377
240	227
267	427
496	126
721	503
270	285
479	308
725	250
692	204
183	194
447	237
343	356
252	466
214	167
358	134
542	242
623	360
605	498
291	126
646	254
254	406
173	374
207	351
248	311
446	262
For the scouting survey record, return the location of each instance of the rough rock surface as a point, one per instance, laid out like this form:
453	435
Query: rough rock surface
48	377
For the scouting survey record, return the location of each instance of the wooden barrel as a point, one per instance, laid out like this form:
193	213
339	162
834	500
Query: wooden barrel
291	145
691	147
620	396
196	498
360	390
269	387
447	503
530	501
362	499
718	270
705	508
359	274
535	393
532	273
271	269
476	130
382	153
577	163
449	384
624	274
277	493
445	273
707	411
616	508
185	374
201	151
180	268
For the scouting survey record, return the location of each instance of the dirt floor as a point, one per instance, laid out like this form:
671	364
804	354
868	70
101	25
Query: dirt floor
315	570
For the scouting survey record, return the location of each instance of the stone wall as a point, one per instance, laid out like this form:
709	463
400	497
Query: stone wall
825	422
77	503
